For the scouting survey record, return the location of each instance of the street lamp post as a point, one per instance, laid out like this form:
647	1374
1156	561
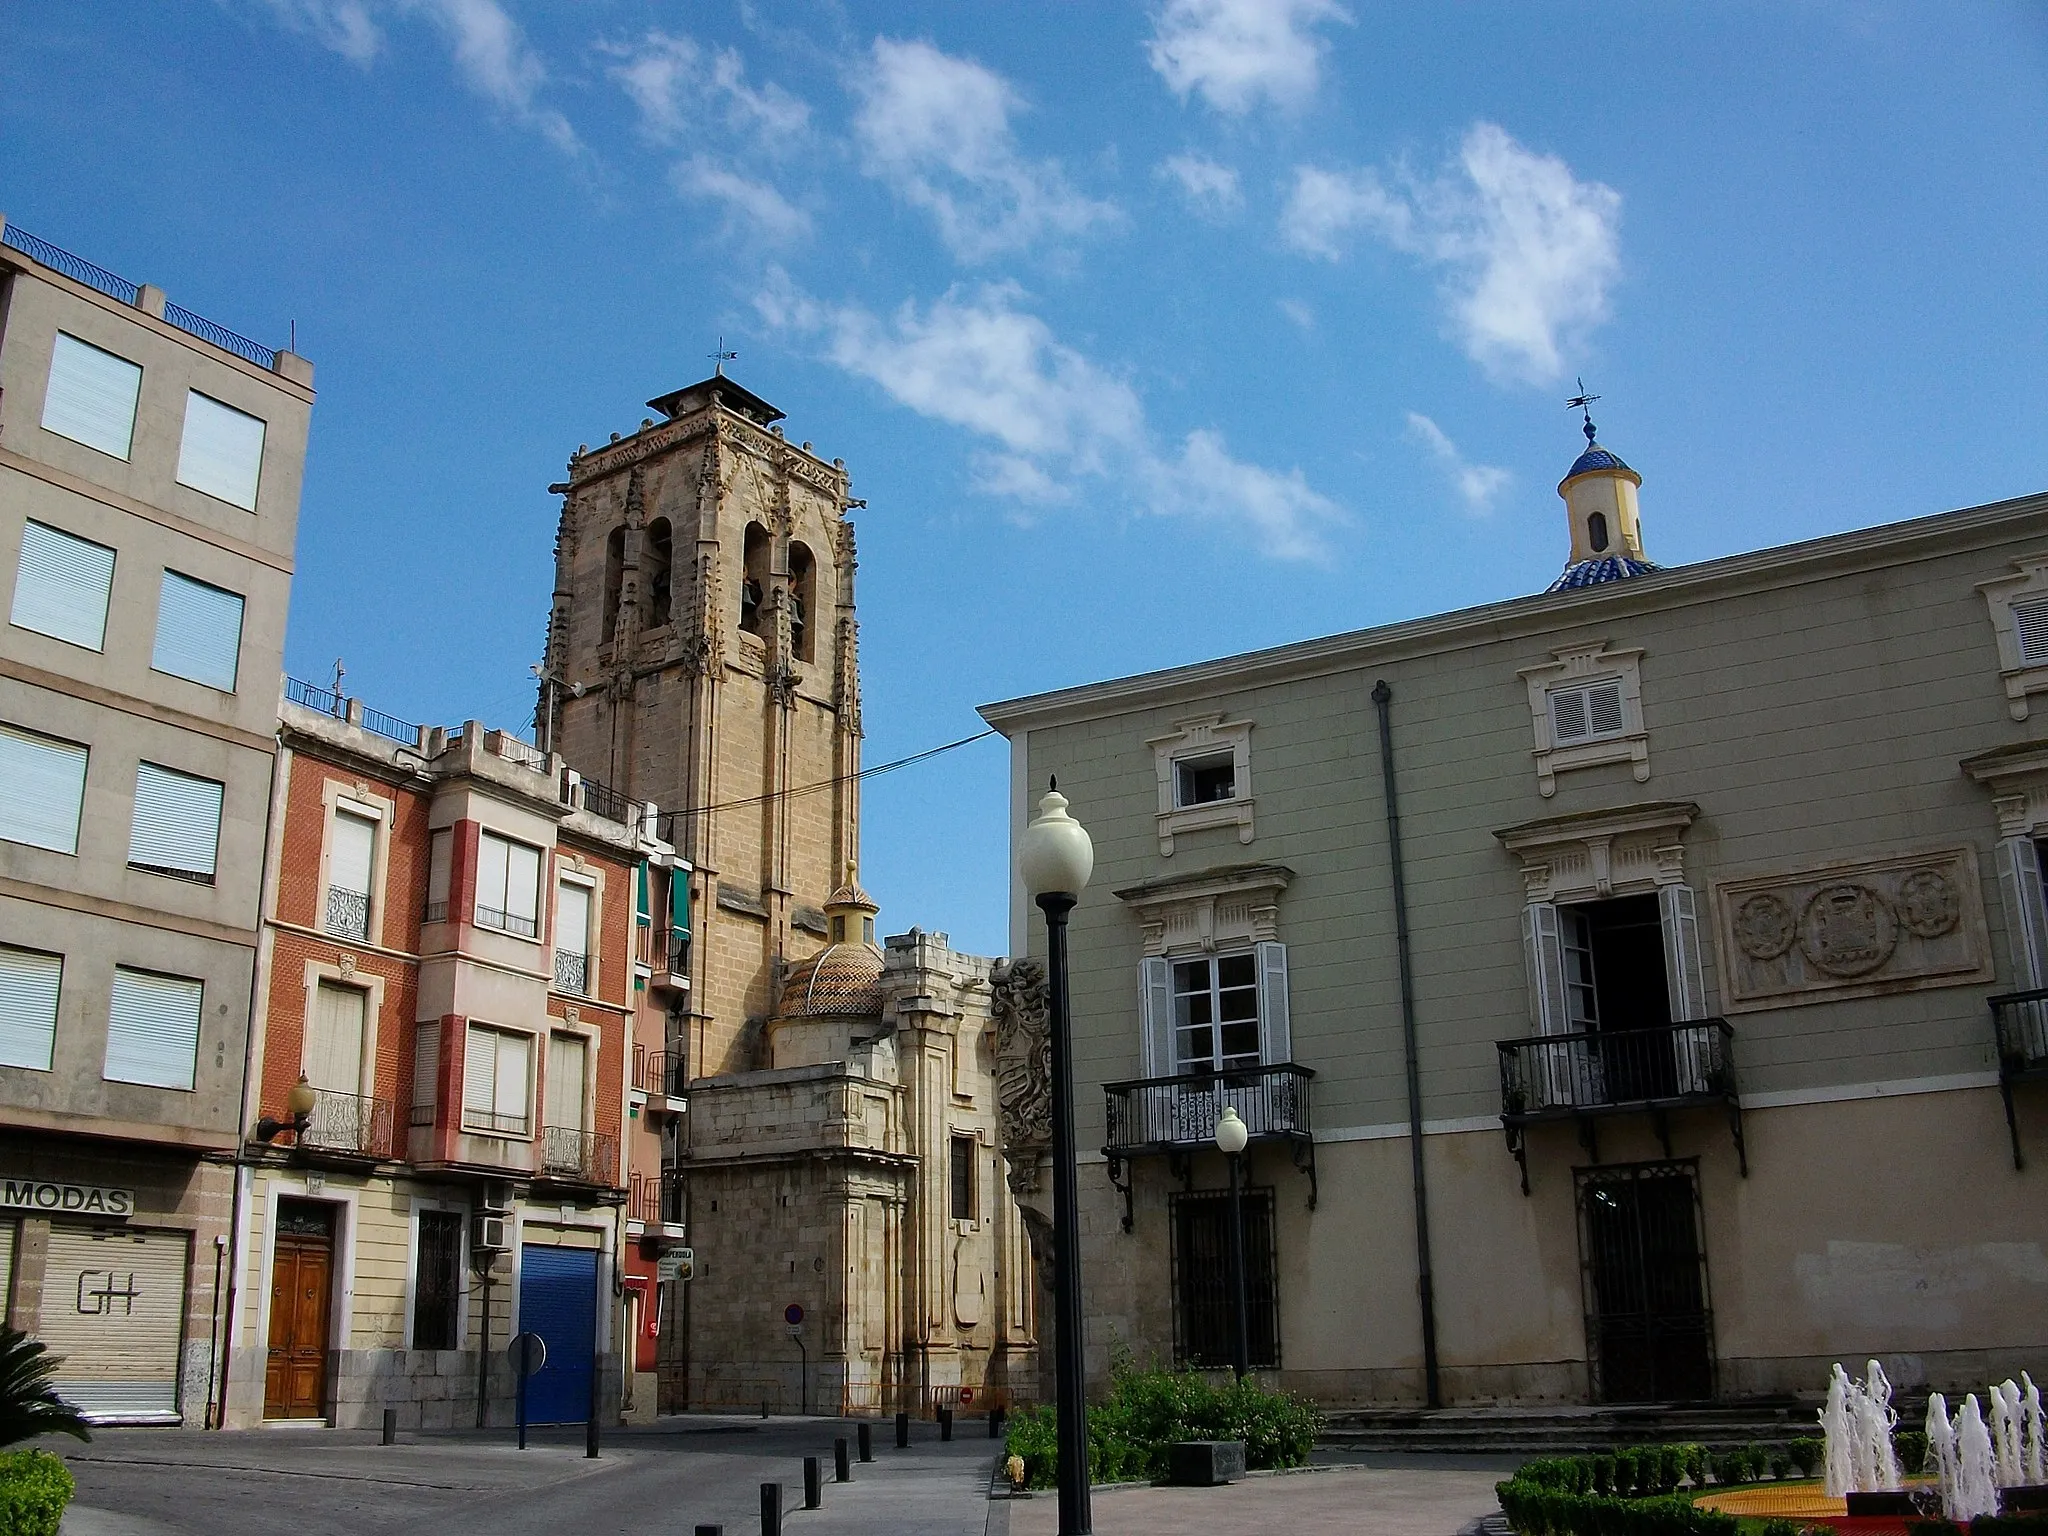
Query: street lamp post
1231	1137
1055	858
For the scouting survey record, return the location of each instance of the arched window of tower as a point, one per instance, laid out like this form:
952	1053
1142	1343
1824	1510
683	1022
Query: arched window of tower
803	581
753	578
614	573
660	575
1596	532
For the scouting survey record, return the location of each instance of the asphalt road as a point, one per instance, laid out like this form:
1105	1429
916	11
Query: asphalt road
648	1482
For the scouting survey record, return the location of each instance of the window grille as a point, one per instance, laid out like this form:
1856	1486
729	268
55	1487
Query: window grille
1204	1305
437	1281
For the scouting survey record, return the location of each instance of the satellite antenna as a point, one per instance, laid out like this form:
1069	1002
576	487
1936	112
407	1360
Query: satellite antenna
720	358
1583	402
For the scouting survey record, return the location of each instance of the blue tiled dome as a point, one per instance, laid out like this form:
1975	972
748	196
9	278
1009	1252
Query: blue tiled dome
1595	457
1591	573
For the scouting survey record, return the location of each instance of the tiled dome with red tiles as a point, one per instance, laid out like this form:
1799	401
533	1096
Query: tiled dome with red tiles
839	981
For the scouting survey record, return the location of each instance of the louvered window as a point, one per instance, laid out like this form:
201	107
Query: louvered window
222	452
334	1038
62	586
508	886
91	398
440	847
45	782
348	874
152	1029
497	1082
177	824
572	938
29	984
1585	712
426	1073
2030	619
198	632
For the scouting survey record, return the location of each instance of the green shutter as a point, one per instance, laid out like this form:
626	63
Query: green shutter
642	912
679	900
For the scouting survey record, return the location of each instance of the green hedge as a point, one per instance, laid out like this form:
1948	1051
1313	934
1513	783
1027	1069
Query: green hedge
1538	1511
1146	1411
34	1488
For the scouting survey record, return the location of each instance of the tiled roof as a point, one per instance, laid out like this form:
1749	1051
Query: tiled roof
1591	573
842	980
1595	457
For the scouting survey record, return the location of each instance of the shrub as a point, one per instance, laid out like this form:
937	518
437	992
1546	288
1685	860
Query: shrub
34	1488
1806	1454
1146	1411
1911	1444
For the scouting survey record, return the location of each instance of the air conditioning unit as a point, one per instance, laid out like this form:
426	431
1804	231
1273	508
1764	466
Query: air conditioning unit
487	1232
496	1198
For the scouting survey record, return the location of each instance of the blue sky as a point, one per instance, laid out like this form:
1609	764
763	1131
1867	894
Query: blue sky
1149	332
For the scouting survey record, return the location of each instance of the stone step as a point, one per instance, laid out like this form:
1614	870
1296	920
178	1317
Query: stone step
1561	1430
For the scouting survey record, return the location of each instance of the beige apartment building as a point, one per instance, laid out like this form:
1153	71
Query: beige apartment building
838	1160
1658	1017
150	466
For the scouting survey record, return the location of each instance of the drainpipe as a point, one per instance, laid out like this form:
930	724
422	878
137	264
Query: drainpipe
1425	1281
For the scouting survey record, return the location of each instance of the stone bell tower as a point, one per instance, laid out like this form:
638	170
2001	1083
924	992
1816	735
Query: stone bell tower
701	654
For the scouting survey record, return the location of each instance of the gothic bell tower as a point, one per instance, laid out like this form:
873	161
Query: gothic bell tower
702	654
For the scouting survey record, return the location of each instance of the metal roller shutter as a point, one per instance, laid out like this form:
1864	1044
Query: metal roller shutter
8	1229
177	822
29	984
62	586
222	451
198	632
45	782
113	1311
153	1029
91	398
558	1301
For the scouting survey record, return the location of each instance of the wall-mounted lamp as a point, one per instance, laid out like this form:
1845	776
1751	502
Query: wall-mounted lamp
299	1102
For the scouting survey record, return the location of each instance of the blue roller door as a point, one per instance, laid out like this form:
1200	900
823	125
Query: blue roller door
558	1301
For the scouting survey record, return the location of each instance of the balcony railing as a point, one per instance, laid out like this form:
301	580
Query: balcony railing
2019	1026
350	1123
655	1200
603	800
348	913
576	1156
659	1072
1590	1073
1177	1116
572	973
507	922
670	956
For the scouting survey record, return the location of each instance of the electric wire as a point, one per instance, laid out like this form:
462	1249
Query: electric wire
844	778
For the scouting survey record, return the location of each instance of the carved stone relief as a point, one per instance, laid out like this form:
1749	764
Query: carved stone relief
1023	1067
1853	929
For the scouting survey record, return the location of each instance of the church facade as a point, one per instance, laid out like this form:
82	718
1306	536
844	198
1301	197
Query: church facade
852	1247
1635	991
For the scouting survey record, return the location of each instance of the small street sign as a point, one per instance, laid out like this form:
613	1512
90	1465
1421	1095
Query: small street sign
676	1264
528	1352
793	1314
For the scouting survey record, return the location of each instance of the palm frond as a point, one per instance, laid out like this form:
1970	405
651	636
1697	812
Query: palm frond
29	1404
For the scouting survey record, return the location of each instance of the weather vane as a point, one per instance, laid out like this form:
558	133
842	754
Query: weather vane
720	358
1583	402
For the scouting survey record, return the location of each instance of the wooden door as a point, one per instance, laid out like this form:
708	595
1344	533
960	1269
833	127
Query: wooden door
301	1283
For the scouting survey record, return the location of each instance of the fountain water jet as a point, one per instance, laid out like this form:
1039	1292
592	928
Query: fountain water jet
1976	1487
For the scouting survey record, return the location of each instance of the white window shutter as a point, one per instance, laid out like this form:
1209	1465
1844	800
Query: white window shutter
1276	1037
45	782
334	1045
2030	622
522	884
198	632
1603	708
177	821
426	1072
91	397
515	1076
1567	715
572	919
479	1069
62	586
490	871
222	451
1544	951
152	1029
1155	1009
567	1055
348	860
2026	923
1683	976
29	984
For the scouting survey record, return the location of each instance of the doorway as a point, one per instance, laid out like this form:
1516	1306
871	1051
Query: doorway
1649	1332
1204	1306
558	1301
301	1292
1615	983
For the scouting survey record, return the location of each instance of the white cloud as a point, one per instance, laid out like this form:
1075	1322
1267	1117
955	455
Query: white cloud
751	206
1529	250
491	53
1211	187
1478	485
1298	312
676	85
1234	52
1055	422
936	128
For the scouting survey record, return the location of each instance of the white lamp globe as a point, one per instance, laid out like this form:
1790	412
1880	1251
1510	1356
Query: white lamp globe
1231	1132
1054	855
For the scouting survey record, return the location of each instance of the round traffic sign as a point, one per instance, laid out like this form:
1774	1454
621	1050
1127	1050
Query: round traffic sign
793	1314
528	1352
966	1396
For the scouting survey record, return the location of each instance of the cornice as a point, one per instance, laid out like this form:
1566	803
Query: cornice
1539	614
731	429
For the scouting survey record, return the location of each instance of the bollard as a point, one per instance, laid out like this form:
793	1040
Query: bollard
814	1483
902	1430
710	1530
391	1426
867	1441
764	1407
771	1509
995	1423
842	1464
945	1423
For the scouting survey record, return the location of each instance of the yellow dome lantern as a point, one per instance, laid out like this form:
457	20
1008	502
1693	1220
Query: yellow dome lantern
844	978
1599	493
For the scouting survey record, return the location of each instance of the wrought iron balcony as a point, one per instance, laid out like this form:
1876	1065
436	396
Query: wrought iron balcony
1176	1116
670	958
572	973
348	913
658	1072
1590	1073
575	1156
655	1202
2019	1024
350	1124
